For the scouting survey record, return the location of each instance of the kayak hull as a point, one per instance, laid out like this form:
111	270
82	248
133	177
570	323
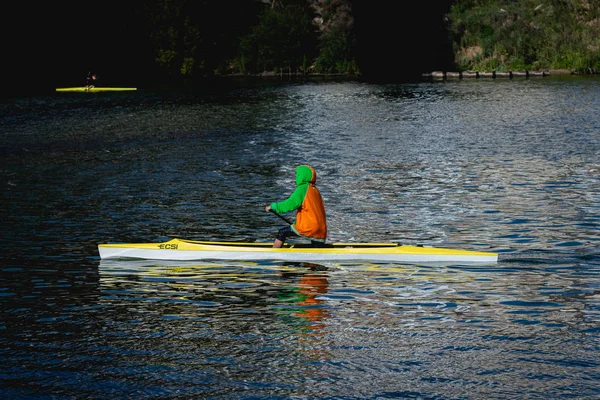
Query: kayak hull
95	89
188	250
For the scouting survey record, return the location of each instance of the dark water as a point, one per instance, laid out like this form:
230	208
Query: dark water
511	166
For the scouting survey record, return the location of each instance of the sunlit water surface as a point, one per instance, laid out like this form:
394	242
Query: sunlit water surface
510	166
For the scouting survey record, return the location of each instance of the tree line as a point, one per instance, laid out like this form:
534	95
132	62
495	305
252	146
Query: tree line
191	38
141	42
498	35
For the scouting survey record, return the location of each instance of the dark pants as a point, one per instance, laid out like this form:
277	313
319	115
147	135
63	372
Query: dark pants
287	231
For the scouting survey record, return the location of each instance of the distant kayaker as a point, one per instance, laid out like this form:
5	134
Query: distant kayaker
90	81
310	217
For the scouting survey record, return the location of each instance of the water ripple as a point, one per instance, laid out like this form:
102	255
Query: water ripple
508	166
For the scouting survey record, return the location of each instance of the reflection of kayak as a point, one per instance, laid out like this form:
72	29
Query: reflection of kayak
179	249
94	89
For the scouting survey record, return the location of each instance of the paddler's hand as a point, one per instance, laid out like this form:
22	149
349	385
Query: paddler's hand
268	208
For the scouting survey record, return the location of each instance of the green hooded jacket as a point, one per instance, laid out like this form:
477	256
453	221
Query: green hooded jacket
306	198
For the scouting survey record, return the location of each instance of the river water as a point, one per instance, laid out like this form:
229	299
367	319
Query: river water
511	166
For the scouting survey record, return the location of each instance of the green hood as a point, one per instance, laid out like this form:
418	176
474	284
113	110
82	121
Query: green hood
305	174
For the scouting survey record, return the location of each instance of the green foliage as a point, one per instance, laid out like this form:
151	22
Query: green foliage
188	66
239	36
165	57
526	34
170	35
193	38
335	55
282	39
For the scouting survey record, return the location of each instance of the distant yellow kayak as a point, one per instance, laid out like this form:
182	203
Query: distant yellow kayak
94	89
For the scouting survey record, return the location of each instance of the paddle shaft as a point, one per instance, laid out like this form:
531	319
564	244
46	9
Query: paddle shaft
281	216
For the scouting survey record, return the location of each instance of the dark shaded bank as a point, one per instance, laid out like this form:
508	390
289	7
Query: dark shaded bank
54	45
398	41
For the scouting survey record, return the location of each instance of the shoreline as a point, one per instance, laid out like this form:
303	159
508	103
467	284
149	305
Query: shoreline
502	74
428	75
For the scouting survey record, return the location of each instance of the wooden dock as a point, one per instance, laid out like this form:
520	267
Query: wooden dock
492	74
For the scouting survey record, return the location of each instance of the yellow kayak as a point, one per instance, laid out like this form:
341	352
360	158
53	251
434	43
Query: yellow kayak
187	250
94	89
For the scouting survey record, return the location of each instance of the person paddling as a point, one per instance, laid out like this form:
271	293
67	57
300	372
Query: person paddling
90	81
311	220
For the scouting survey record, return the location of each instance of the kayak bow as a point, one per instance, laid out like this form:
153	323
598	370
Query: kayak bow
188	250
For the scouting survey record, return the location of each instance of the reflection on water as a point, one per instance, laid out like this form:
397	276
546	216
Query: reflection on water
508	166
491	328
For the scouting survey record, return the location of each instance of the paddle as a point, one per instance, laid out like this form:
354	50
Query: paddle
281	216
